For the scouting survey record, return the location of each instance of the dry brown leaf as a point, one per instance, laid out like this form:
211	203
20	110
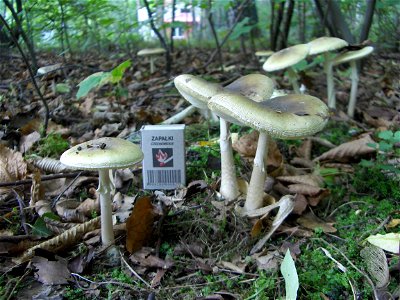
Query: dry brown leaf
349	150
309	179
88	207
294	231
51	272
145	258
12	165
246	145
311	221
26	142
314	200
139	226
67	210
304	150
304	189
269	262
300	204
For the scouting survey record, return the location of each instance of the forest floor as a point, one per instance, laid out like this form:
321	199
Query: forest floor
190	244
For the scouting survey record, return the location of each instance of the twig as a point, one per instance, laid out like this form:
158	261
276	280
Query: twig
48	177
344	204
370	282
16	285
21	211
125	285
133	271
53	204
372	232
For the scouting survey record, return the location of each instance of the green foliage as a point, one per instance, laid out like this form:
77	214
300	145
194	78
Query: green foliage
99	79
288	270
74	294
241	28
53	145
40	228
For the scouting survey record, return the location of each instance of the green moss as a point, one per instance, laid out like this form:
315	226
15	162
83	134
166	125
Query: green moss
53	145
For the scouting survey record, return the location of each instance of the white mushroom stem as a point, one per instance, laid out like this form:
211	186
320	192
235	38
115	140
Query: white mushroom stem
151	64
105	189
293	80
180	115
328	67
354	89
229	186
255	191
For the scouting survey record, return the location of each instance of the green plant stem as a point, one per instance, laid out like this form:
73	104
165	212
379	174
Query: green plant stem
328	67
293	80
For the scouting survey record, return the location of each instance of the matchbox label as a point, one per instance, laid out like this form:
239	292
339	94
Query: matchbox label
163	147
163	157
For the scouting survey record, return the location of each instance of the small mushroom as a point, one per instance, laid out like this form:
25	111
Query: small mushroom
324	45
286	59
151	53
263	54
103	154
351	57
285	117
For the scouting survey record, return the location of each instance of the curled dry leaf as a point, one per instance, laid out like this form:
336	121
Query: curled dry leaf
377	266
349	150
49	165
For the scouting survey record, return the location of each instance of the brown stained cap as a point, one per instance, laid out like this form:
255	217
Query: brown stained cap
257	87
286	117
286	57
103	153
151	51
325	44
353	55
196	90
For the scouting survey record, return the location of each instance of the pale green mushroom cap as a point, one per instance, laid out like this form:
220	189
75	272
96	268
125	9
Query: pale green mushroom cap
264	53
196	90
286	57
353	55
151	51
286	117
325	44
257	87
103	153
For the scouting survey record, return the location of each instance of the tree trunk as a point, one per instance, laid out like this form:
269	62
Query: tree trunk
301	9
369	14
277	25
332	17
286	25
172	26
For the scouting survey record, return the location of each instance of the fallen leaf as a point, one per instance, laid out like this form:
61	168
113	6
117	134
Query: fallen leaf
51	272
12	165
393	223
309	179
311	221
304	189
144	258
139	226
268	262
349	150
389	242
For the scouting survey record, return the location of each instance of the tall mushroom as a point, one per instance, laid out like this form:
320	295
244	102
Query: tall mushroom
285	117
324	45
151	53
286	59
198	92
103	154
351	57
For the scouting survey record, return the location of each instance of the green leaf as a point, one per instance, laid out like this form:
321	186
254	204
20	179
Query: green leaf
62	88
241	28
396	137
91	82
118	72
385	135
384	146
288	270
389	242
40	228
367	163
